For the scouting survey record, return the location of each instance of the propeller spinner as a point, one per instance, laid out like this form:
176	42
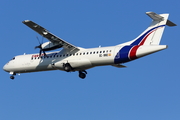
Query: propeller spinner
40	47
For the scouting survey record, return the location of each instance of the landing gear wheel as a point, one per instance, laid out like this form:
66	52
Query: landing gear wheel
12	77
82	75
67	67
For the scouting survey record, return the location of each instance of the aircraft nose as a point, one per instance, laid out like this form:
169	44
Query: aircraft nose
5	68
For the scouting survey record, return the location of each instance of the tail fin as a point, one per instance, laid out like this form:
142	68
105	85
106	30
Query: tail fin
152	35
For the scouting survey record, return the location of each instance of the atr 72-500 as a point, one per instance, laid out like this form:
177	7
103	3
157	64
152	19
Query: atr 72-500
72	58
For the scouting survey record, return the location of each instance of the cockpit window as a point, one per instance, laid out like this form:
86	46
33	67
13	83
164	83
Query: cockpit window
13	58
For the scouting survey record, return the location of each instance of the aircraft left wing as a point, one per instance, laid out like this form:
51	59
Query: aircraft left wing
54	39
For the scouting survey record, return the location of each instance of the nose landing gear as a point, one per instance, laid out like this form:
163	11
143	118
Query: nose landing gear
12	75
82	74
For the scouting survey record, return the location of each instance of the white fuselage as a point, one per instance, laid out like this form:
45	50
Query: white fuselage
80	60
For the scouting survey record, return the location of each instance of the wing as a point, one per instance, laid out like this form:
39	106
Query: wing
45	33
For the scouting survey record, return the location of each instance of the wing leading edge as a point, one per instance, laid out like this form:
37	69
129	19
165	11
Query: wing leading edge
52	38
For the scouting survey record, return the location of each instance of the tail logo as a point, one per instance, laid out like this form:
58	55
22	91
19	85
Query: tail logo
128	53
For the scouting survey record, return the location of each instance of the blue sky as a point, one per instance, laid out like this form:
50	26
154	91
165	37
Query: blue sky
147	89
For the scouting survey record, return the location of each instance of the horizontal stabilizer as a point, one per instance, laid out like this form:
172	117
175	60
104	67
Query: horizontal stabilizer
159	18
155	16
171	24
118	65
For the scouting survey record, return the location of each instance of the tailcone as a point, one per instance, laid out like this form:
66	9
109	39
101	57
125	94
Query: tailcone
146	50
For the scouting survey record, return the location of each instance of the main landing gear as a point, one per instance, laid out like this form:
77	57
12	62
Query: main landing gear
82	74
67	67
12	76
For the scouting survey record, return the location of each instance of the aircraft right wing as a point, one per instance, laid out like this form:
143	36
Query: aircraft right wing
54	39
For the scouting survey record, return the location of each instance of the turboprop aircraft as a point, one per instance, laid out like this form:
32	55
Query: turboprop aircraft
72	58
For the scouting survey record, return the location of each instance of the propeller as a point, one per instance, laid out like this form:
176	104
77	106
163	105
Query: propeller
40	47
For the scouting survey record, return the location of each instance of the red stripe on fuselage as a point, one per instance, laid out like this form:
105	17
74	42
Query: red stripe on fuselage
144	39
132	52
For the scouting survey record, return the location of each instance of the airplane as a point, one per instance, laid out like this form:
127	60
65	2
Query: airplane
72	58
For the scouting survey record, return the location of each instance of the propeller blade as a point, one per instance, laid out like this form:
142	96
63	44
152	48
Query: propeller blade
40	53
40	47
38	39
44	53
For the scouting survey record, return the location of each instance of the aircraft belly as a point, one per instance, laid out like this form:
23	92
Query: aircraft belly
102	61
76	64
33	66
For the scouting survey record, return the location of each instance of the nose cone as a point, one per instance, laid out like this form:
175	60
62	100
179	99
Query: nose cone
5	68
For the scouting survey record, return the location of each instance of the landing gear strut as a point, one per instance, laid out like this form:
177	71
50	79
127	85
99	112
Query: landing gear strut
12	76
82	74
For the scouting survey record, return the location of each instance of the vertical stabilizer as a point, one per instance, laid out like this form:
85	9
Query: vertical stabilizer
152	35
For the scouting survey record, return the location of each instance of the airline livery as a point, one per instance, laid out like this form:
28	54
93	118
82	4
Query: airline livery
72	58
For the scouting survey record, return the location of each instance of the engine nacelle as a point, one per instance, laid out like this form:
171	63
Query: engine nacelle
47	46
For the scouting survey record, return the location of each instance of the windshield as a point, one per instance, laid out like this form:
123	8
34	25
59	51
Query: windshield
13	58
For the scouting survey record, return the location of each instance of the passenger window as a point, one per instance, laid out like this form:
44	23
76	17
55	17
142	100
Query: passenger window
77	54
90	52
103	51
87	53
97	52
63	55
94	52
80	53
67	55
83	53
60	56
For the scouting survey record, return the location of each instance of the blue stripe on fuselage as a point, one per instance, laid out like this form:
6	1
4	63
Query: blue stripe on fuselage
122	55
136	42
